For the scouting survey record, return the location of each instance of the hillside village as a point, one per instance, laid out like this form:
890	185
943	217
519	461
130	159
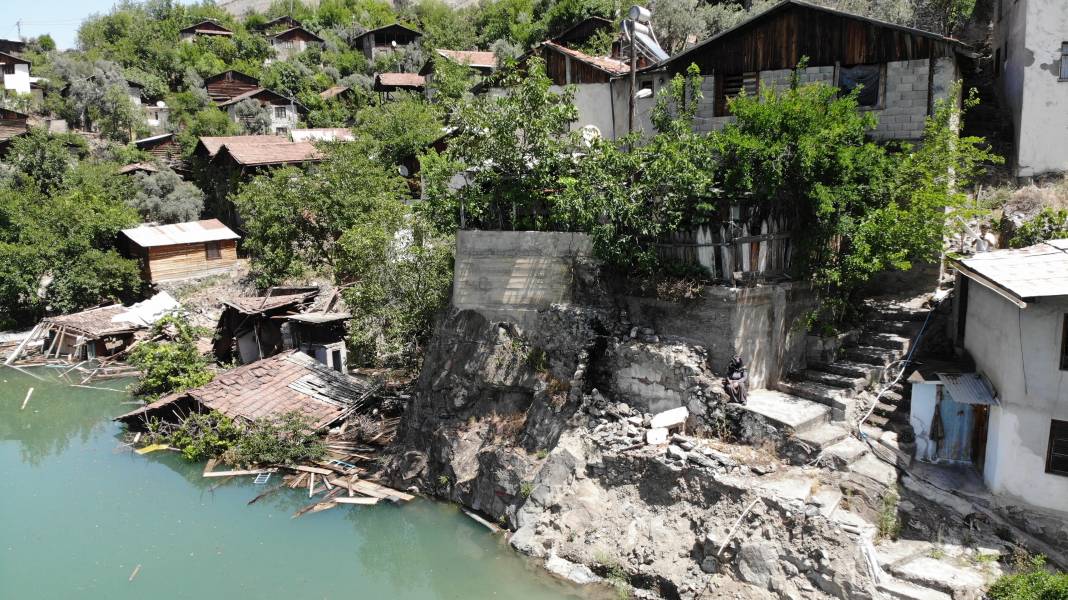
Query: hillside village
687	300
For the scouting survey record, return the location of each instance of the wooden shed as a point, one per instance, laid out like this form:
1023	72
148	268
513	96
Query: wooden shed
183	250
225	86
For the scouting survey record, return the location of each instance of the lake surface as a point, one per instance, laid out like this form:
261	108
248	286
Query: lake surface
79	513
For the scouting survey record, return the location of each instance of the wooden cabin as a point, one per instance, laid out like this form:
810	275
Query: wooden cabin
284	112
12	46
292	42
205	29
279	23
388	83
225	86
164	148
183	250
386	39
12	125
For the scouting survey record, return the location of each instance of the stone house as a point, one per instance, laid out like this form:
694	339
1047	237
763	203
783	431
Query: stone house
1012	319
1031	70
284	112
903	71
293	41
385	39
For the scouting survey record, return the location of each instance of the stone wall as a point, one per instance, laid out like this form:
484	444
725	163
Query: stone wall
510	275
765	325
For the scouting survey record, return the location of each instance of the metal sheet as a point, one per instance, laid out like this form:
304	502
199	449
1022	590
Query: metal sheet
968	388
1034	272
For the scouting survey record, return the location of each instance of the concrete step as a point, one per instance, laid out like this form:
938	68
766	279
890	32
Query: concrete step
895	312
884	409
846	452
823	437
878	421
833	379
795	414
891	341
873	468
903	590
871	355
848	368
840	400
907	328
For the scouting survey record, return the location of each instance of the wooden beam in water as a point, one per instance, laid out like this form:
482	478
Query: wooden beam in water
29	393
349	500
316	470
238	472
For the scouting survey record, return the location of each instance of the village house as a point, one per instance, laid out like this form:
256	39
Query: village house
289	382
203	29
12	125
278	24
336	92
225	86
385	39
904	72
157	116
1012	319
16	72
182	250
284	112
485	63
292	42
12	46
164	148
1031	69
386	84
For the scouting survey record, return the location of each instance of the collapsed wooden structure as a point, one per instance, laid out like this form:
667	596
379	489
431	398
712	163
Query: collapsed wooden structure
269	388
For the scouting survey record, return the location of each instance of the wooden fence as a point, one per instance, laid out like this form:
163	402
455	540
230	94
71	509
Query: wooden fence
734	250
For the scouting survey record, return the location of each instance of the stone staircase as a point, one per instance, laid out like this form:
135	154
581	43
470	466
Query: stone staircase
819	406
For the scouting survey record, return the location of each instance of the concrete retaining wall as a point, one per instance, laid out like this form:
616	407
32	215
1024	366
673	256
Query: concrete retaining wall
765	325
510	275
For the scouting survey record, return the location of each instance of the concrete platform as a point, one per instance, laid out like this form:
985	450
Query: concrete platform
795	413
871	467
824	436
848	451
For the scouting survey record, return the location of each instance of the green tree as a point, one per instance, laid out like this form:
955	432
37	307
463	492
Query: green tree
164	198
445	27
1048	224
42	159
173	365
511	150
400	129
1035	582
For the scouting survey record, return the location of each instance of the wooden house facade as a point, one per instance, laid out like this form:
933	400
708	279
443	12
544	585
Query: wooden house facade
225	86
292	42
183	250
386	39
284	112
12	125
203	29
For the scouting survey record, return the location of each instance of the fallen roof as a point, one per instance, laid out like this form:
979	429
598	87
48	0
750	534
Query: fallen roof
95	322
288	382
333	92
404	80
258	155
1020	276
260	304
607	64
212	144
319	317
193	232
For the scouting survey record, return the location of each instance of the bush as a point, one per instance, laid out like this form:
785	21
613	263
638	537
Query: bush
198	436
285	440
1034	583
170	366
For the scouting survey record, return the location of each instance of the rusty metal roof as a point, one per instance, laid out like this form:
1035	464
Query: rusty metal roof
607	64
193	232
471	58
138	166
968	388
251	154
1021	275
212	144
333	92
288	382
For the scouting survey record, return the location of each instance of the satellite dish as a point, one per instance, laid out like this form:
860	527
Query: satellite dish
403	170
590	133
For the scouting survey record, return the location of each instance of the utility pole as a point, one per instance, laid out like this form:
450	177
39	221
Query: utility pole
633	75
18	24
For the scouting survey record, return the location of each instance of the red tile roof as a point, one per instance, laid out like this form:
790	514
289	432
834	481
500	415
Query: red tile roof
212	144
252	154
472	58
271	387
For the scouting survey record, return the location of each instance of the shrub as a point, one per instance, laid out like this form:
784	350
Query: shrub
1034	583
170	366
1049	224
285	440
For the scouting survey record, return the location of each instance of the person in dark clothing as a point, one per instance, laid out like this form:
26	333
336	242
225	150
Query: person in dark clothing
737	381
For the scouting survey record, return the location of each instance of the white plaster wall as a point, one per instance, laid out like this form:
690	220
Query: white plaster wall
19	81
289	122
924	399
594	104
1018	350
1042	129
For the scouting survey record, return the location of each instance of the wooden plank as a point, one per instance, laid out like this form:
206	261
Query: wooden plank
350	500
238	472
29	393
315	470
388	490
153	448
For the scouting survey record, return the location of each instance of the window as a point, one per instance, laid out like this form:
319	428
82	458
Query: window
280	112
9	69
1057	460
730	86
212	251
1064	344
868	76
1064	61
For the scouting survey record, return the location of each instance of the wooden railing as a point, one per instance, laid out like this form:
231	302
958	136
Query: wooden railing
732	252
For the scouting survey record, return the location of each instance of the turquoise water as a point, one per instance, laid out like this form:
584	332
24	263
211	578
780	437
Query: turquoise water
80	513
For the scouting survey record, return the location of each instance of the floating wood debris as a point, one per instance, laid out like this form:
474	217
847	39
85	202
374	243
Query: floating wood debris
136	570
151	448
29	393
352	500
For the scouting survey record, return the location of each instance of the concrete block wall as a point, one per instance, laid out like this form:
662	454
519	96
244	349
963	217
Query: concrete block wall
780	79
510	275
904	111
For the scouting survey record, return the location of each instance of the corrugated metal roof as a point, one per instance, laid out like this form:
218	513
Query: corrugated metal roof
210	230
1037	271
319	317
607	64
968	388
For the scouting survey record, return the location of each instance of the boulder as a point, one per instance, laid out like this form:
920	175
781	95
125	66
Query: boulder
657	436
670	418
676	452
758	563
577	573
